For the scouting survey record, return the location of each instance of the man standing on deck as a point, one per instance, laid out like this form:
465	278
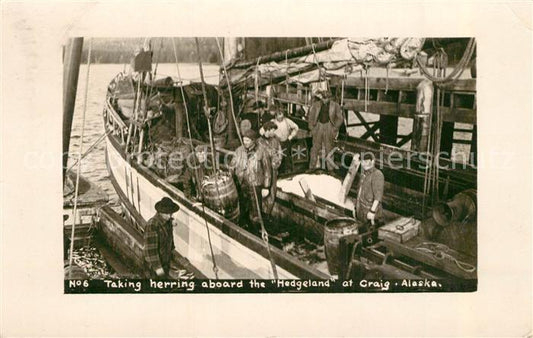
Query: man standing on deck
271	144
368	207
251	164
325	119
159	239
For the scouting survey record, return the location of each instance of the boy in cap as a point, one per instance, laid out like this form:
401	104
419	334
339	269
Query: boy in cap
159	239
286	130
325	118
253	169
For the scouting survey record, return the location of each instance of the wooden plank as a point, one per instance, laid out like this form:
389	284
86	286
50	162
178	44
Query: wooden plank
463	176
350	176
382	108
115	261
114	115
407	110
461	130
404	139
462	141
369	130
307	190
464	85
460	115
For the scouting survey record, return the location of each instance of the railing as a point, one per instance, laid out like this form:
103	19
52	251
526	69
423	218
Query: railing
114	121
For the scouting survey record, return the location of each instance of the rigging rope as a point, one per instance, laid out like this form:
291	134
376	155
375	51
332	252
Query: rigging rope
74	212
264	233
432	174
441	251
215	268
256	81
100	139
315	59
367	91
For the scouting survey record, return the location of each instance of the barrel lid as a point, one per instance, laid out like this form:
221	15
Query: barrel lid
341	222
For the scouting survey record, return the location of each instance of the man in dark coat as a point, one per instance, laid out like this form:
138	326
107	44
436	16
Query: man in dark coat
270	142
253	169
324	120
368	207
159	239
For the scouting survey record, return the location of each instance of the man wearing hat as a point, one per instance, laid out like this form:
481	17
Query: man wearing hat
370	193
325	118
270	142
252	166
159	239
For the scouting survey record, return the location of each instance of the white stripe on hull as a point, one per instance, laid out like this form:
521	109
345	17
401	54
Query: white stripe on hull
233	259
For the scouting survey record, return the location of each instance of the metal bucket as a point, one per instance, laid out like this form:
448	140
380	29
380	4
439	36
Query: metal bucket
462	207
334	230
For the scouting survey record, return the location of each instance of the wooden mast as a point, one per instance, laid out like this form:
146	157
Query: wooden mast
230	52
288	54
71	68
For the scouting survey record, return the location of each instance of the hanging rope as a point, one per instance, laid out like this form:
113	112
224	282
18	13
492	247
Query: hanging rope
256	81
315	59
76	191
264	233
100	139
432	174
200	193
366	89
457	72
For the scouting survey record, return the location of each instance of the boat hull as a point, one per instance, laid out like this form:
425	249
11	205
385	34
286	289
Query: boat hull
237	253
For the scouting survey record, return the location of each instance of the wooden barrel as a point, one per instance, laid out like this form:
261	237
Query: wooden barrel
334	230
220	195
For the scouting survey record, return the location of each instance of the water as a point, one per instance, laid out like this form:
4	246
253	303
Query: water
93	165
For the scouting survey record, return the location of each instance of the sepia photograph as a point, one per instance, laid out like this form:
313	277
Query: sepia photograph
266	169
346	163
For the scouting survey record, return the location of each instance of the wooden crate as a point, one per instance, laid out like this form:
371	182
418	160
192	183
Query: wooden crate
400	230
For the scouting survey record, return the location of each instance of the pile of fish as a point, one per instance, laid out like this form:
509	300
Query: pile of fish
181	274
93	263
178	272
306	251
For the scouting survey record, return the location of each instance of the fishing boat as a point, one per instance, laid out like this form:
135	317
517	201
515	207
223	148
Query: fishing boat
212	242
